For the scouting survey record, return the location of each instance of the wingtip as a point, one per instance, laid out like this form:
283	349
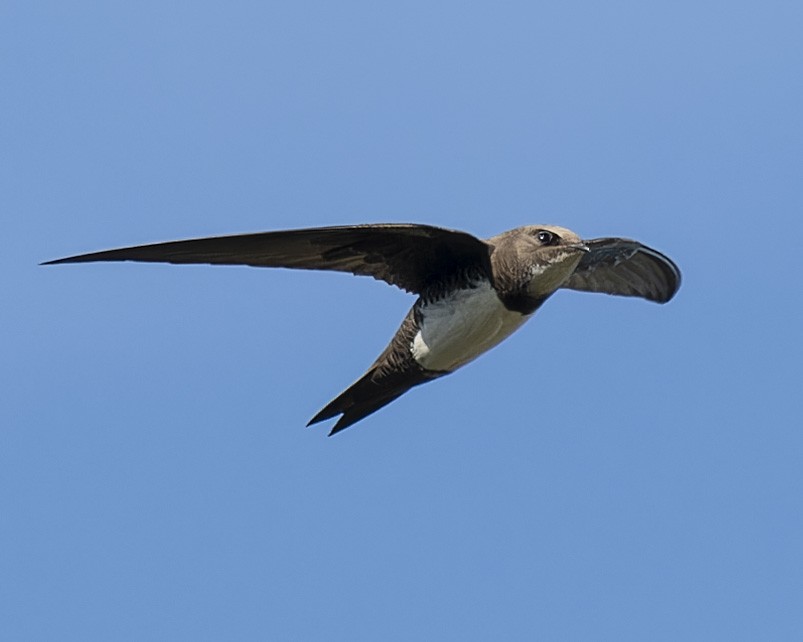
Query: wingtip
673	291
69	259
663	297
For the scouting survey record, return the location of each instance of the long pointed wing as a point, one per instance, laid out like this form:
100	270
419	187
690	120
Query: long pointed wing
406	255
626	268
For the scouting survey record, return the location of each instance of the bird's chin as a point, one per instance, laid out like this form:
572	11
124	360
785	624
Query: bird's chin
549	278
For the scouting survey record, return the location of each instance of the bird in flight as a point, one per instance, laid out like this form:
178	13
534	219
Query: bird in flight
472	293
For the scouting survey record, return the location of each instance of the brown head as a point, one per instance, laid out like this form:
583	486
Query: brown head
535	258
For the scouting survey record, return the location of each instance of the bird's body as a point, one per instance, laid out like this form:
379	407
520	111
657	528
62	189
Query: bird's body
460	326
472	294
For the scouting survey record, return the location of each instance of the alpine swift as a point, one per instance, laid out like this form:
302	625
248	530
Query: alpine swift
472	293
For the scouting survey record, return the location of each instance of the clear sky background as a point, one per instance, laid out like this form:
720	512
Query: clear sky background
616	470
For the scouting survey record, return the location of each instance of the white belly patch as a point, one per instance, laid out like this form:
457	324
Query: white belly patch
460	327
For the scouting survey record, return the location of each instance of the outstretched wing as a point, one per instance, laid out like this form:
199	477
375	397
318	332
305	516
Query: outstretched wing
626	268
406	255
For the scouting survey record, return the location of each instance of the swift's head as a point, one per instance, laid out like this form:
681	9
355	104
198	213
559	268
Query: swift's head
539	257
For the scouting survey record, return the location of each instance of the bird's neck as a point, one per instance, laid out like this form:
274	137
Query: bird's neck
526	288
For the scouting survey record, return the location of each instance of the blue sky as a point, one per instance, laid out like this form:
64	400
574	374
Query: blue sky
615	470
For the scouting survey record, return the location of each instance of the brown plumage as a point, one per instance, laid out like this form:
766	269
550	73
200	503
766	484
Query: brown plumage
471	293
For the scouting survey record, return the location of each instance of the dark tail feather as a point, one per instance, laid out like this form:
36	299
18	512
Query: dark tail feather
367	395
360	411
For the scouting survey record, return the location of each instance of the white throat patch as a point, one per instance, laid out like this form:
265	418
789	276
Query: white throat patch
460	327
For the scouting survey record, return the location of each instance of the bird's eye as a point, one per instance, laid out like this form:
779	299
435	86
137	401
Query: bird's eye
545	237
